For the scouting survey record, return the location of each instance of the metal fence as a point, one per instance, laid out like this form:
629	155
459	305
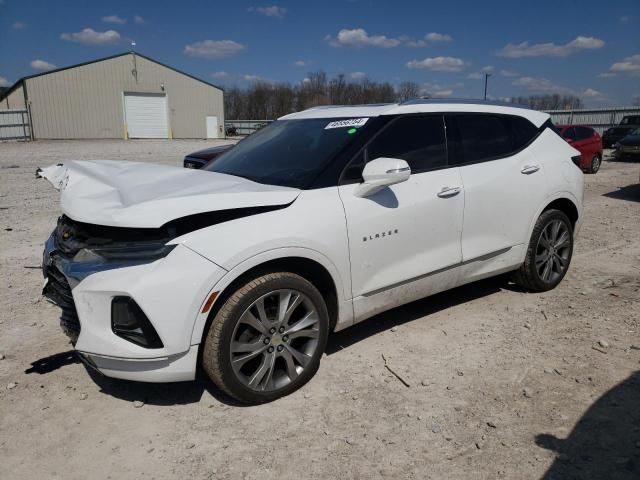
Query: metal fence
245	127
14	125
599	118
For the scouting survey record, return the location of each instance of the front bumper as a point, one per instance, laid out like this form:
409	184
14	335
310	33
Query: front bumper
170	292
627	151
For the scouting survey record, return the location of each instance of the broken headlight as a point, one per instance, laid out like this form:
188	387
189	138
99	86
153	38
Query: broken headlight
136	253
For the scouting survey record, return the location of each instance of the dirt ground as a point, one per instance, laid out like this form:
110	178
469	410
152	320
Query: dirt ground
503	384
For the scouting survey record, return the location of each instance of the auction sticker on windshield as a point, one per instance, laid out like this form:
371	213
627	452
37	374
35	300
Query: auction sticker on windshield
350	122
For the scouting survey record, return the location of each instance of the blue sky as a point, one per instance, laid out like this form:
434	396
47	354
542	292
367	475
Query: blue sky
590	48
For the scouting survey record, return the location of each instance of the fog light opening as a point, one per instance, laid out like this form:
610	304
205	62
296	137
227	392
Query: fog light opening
128	321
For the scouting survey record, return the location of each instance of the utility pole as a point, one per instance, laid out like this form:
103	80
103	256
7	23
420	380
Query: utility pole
486	77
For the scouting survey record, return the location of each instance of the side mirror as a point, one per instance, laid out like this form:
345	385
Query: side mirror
380	173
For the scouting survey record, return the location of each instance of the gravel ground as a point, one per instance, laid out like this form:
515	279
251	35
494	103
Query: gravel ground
503	384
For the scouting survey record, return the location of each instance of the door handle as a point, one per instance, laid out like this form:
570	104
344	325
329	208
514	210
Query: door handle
529	169
447	192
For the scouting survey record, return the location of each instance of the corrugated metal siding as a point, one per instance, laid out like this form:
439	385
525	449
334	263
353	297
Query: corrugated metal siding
598	118
87	101
14	101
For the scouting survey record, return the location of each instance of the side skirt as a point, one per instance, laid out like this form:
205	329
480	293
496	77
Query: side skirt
489	265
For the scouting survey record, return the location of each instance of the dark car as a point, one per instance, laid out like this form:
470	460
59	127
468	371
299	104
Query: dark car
587	141
629	146
200	158
617	133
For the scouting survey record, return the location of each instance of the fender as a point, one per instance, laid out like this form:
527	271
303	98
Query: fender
545	204
345	304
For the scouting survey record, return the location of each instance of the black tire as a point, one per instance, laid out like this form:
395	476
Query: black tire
217	352
530	275
596	161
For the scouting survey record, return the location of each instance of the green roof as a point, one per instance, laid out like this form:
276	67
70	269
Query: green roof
48	72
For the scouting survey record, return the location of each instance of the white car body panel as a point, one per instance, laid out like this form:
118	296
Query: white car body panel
436	243
144	195
388	248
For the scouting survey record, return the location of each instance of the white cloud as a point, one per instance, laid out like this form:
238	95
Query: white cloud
138	20
540	85
521	50
434	37
89	36
626	18
438	64
478	75
4	82
628	65
255	78
591	93
273	11
357	75
213	49
41	65
607	75
438	91
300	63
18	25
114	19
358	37
508	73
221	74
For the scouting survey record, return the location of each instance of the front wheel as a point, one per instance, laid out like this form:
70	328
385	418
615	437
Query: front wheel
267	338
548	254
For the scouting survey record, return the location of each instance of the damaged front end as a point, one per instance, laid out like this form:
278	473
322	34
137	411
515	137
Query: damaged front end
75	250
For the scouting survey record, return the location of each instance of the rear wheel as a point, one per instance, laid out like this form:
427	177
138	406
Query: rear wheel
596	161
548	254
267	339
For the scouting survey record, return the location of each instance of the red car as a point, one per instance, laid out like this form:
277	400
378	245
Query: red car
587	141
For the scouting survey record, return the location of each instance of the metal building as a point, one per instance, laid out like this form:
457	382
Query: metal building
123	96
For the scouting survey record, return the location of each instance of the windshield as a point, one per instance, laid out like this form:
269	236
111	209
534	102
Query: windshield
290	153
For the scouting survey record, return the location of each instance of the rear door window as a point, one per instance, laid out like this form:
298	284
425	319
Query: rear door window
418	139
583	133
569	134
479	137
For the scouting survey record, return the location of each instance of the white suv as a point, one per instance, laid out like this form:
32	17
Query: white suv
316	222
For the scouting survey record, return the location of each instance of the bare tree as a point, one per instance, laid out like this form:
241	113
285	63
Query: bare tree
407	91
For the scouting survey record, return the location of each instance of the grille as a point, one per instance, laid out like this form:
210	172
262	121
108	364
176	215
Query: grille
58	291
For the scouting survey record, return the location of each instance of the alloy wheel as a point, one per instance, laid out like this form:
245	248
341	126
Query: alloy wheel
274	340
553	251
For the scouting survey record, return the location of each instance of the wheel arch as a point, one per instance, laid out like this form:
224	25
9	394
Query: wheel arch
309	264
563	201
566	206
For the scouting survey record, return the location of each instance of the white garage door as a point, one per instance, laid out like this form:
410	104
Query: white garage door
146	115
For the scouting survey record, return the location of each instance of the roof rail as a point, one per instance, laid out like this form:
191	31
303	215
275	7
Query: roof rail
468	101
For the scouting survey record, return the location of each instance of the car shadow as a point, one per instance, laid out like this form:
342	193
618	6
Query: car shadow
630	192
412	311
53	362
605	443
161	394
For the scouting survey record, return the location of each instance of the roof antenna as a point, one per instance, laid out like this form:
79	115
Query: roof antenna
134	72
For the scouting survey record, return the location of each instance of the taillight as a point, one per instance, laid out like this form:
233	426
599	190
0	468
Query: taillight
577	160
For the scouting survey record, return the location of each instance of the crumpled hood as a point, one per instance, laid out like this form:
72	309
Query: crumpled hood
145	195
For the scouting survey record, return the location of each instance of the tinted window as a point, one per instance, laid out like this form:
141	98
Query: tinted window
480	137
569	134
291	153
583	133
419	140
522	131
